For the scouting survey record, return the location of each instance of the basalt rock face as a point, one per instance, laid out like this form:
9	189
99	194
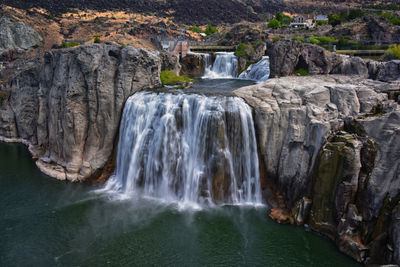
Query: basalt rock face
330	144
16	35
68	107
384	71
193	65
289	55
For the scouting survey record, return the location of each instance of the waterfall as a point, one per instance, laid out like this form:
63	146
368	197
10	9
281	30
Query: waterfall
258	72
187	148
225	66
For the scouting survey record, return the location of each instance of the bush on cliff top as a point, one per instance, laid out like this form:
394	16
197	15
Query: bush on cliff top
241	50
393	52
210	30
194	29
274	24
170	78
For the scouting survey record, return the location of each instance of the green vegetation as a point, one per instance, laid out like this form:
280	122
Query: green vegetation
391	6
395	20
3	96
393	52
336	19
302	72
314	40
210	30
97	39
241	50
170	78
70	44
194	29
280	20
274	24
299	38
321	22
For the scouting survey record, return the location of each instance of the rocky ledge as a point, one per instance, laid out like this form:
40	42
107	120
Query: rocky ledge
329	147
288	56
67	107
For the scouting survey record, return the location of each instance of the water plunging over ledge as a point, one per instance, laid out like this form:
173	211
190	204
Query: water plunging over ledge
225	66
188	148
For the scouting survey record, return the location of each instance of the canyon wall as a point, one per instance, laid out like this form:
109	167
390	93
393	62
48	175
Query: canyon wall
67	107
330	145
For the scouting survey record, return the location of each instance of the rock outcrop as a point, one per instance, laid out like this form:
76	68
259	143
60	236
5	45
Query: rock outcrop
16	35
330	144
193	65
287	56
68	107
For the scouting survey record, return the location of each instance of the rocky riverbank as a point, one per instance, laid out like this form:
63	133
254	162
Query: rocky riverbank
329	145
68	106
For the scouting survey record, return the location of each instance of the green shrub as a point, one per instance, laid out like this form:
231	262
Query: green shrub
276	39
299	38
241	50
274	24
70	44
3	96
210	30
355	13
336	19
391	18
321	22
314	40
302	72
169	78
393	52
279	16
194	29
97	39
286	20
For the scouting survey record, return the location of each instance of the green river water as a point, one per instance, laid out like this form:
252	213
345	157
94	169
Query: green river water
45	222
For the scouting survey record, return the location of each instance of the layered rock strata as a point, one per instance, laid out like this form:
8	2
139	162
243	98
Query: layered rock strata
68	106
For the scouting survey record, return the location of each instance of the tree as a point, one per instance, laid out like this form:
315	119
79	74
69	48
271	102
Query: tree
279	16
274	24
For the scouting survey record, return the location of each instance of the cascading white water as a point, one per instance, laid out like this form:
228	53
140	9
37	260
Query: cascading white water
258	72
188	148
225	66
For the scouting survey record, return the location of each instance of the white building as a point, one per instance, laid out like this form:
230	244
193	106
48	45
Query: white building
303	21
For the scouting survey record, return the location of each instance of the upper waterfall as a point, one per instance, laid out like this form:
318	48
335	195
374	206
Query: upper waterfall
188	148
225	66
258	72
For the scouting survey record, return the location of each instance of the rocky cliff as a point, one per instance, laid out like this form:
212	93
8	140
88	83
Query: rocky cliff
287	56
330	145
68	106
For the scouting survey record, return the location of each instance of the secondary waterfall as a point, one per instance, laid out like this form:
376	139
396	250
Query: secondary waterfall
188	148
225	66
258	72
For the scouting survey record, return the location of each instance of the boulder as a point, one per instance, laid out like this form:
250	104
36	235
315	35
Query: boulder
16	35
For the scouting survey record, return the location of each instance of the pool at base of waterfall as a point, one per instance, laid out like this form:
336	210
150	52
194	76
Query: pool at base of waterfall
45	222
